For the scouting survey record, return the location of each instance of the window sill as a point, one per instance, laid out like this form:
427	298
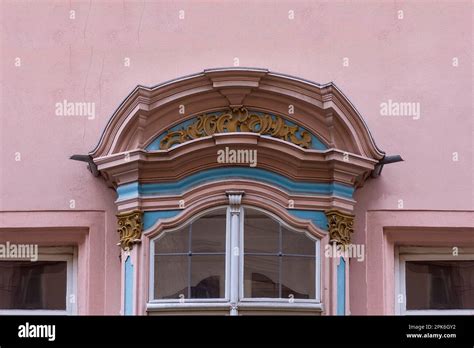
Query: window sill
33	312
439	312
243	306
274	305
186	306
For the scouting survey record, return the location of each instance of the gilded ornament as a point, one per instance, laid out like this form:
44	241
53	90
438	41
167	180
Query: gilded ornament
238	121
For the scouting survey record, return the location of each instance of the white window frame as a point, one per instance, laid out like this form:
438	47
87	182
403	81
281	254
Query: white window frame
243	303
68	254
404	254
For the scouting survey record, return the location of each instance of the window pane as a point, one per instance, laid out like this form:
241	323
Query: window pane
190	274
440	284
171	277
261	233
173	242
297	277
208	233
208	276
261	276
297	243
33	285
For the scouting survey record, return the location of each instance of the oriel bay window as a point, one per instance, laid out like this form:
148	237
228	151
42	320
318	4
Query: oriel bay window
215	237
212	263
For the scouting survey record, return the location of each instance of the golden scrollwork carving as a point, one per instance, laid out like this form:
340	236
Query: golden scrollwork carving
130	228
238	120
340	226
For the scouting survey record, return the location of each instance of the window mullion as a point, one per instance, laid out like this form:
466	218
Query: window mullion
235	223
190	250
280	257
234	259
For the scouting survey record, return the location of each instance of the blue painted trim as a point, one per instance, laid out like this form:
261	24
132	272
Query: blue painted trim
151	217
316	143
128	286
317	217
341	287
129	190
134	190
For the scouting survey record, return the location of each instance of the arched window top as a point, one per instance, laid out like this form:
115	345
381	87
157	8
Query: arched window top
220	120
320	109
314	127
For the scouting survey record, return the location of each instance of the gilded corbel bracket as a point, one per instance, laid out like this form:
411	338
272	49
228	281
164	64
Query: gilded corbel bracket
340	226
130	228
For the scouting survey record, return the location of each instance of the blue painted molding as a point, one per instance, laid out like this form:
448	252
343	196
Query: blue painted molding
151	217
128	287
341	287
135	189
316	143
130	190
317	217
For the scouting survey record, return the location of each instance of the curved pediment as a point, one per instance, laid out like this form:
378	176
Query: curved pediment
321	110
208	128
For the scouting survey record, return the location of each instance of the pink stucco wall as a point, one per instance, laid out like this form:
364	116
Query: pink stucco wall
82	60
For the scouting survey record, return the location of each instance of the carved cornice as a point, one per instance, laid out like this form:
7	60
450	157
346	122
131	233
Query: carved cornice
340	226
278	156
130	228
238	120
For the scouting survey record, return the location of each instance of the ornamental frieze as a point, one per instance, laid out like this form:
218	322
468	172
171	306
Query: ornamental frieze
240	120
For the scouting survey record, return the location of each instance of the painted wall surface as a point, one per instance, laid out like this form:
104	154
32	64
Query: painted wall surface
102	50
